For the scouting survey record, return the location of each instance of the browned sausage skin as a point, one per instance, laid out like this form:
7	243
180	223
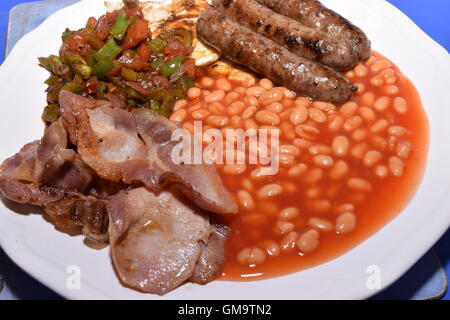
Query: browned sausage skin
304	41
243	46
314	14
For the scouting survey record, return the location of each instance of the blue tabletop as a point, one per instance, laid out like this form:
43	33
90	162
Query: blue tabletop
430	15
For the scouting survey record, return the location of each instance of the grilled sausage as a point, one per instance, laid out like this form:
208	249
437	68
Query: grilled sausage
245	47
314	14
304	41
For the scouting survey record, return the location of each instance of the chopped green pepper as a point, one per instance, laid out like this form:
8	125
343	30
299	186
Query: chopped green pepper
157	45
78	64
51	113
109	51
52	80
185	83
102	67
72	87
157	64
173	65
119	29
177	74
67	34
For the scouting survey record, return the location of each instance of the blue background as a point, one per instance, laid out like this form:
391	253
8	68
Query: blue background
430	15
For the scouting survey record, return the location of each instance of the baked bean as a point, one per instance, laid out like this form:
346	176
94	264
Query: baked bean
200	114
245	200
382	103
236	122
319	206
306	131
400	105
345	207
266	84
234	169
195	107
255	91
230	97
367	114
324	106
275	107
379	66
236	108
323	161
320	224
290	149
350	74
257	175
381	171
377	81
288	93
302	101
286	159
251	256
180	104
241	90
189	126
249	82
392	143
251	101
361	70
360	134
308	240
345	223
247	184
372	157
299	115
403	149
335	123
313	192
287	129
179	115
288	214
267	117
250	124
390	90
313	176
359	184
216	95
368	99
194	93
217	121
207	82
301	143
268	207
359	150
297	170
223	84
289	187
340	146
269	191
370	61
272	248
397	131
217	108
348	109
286	114
288	241
317	115
248	112
339	170
379	126
271	96
283	227
319	149
352	123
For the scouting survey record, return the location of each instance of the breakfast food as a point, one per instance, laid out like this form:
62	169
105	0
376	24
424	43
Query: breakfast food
302	40
348	139
261	55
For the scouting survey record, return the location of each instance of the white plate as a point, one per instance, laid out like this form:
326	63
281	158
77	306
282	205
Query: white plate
46	253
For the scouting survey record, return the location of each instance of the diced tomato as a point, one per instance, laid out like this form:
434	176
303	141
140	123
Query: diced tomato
189	66
133	63
76	43
92	21
102	28
143	52
137	11
175	49
135	34
112	17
